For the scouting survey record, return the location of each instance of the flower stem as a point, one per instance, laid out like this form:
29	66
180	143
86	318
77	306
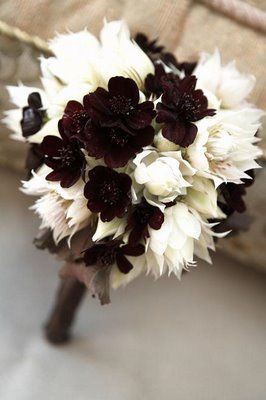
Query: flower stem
68	299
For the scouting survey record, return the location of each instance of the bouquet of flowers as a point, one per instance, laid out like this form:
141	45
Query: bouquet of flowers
138	161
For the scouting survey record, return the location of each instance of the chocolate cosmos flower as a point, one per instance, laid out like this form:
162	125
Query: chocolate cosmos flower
157	53
64	156
150	47
119	106
154	84
107	253
182	105
115	145
144	215
32	115
233	195
108	192
74	119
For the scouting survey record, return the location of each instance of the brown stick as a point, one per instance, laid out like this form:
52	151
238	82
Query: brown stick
69	297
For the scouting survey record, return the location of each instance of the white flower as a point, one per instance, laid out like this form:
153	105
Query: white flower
225	145
162	175
202	196
113	228
229	85
122	56
63	210
75	57
183	233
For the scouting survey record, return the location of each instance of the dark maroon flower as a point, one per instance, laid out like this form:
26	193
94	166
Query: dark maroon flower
187	67
154	84
182	105
32	115
115	145
113	251
143	215
119	106
233	195
74	119
157	53
150	47
108	192
64	156
34	159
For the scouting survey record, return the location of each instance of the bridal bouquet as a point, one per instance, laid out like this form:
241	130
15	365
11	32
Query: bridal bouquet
137	160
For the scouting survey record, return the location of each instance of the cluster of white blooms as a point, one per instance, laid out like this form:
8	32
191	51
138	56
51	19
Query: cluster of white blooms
179	179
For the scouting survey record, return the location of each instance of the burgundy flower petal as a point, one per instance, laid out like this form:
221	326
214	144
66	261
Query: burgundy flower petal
117	158
91	255
188	84
190	135
54	176
174	132
51	145
120	86
73	106
98	100
95	206
141	119
108	214
125	182
135	251
143	138
123	264
136	234
70	178
157	219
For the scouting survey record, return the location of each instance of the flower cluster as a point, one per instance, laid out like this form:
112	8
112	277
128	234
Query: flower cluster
147	153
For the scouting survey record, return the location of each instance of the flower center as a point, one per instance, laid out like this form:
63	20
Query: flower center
68	155
120	105
189	106
79	119
118	137
110	192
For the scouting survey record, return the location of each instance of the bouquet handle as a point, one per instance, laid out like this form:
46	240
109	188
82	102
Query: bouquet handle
69	296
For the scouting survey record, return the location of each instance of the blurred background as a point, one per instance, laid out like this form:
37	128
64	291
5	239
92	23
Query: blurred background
202	338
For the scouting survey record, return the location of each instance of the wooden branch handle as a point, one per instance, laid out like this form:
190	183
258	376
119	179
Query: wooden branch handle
69	297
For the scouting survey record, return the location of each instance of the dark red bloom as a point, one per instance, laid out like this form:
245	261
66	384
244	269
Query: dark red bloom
108	192
150	47
154	84
115	145
119	106
64	156
233	195
143	215
187	67
110	252
32	115
182	105
74	119
157	53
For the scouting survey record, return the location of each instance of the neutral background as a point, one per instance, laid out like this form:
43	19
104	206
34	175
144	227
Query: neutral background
202	338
